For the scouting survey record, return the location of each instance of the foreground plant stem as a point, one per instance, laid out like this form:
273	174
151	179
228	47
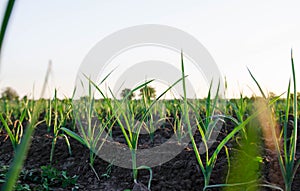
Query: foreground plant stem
134	167
187	120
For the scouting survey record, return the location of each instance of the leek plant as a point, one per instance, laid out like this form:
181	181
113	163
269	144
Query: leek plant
174	118
288	164
240	108
126	120
287	161
59	121
89	126
207	167
15	134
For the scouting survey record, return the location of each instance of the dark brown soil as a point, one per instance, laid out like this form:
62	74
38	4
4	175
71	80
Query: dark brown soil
180	173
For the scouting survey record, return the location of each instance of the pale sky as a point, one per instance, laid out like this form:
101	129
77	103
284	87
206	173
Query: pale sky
238	34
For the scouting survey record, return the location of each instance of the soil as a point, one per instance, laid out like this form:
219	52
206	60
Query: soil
179	174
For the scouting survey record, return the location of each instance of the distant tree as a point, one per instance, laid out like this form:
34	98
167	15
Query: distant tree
127	92
148	92
10	94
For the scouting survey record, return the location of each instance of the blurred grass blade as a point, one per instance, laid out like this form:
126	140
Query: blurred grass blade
4	24
22	149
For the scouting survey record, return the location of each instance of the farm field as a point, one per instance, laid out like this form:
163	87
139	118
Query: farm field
140	139
240	160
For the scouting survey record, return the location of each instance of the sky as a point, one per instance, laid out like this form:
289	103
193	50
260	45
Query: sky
238	34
